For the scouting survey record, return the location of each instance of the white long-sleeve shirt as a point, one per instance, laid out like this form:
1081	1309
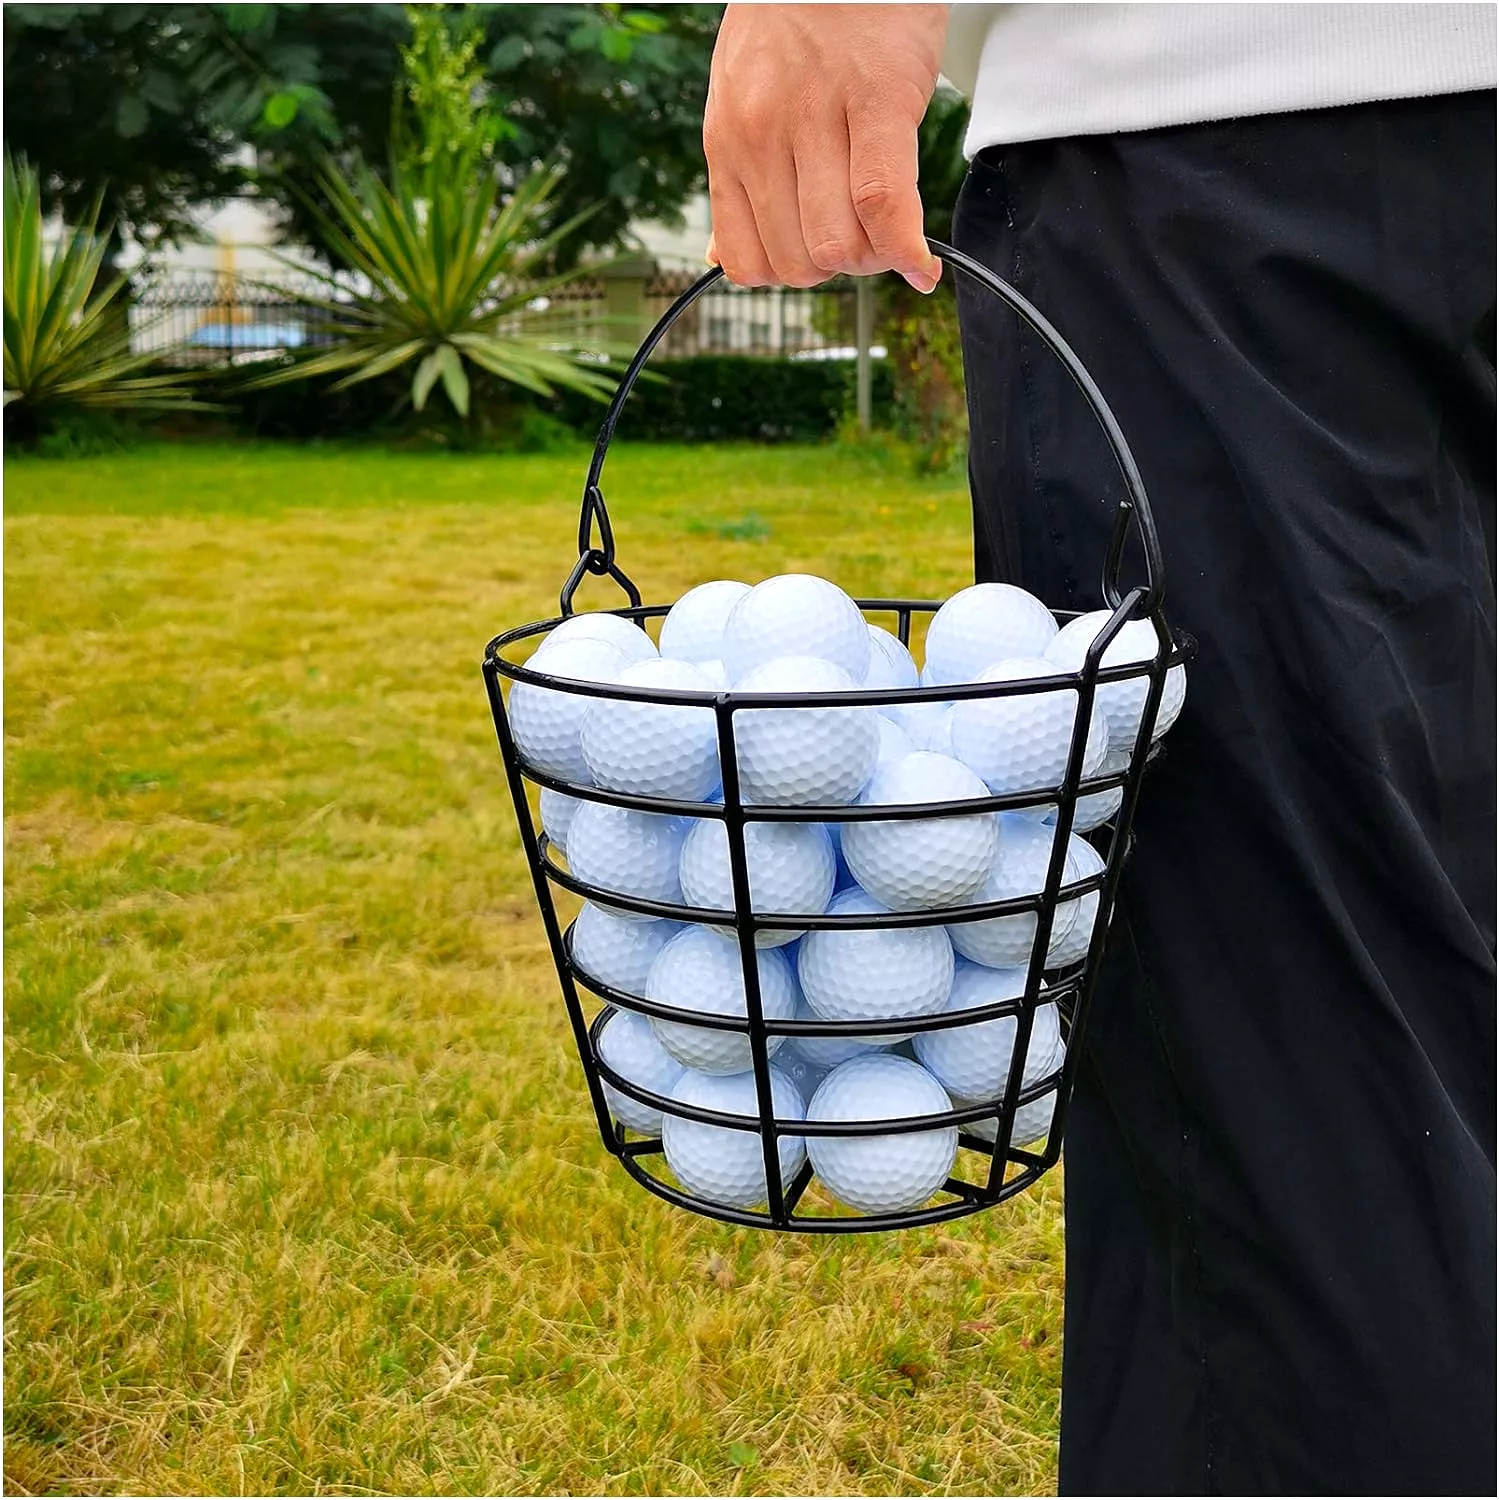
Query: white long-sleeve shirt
1036	72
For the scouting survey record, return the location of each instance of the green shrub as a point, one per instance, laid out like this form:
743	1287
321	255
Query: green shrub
707	398
737	398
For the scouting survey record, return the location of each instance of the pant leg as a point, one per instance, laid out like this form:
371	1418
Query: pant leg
1280	1164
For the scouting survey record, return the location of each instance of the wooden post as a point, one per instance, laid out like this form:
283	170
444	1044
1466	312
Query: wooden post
863	336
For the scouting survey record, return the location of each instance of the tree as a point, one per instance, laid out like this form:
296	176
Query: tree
153	104
450	260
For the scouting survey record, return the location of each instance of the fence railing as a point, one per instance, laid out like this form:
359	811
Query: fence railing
201	319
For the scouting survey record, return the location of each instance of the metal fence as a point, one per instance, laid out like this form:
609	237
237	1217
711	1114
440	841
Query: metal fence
205	319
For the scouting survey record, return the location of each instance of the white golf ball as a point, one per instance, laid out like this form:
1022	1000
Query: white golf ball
802	1071
1019	869
874	974
557	813
654	749
718	1162
791	866
796	614
1092	811
715	672
1032	1121
1083	860
922	863
630	853
881	1173
1022	744
693	627
927	725
891	665
825	1052
619	951
699	970
547	724
973	1062
629	1046
895	743
624	635
802	757
1121	703
981	625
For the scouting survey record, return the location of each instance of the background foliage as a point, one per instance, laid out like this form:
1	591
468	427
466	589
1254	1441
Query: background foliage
921	333
150	102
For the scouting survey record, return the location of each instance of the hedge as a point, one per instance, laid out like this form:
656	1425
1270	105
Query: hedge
705	398
728	397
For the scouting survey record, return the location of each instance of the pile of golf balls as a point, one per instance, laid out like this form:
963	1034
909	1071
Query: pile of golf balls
797	634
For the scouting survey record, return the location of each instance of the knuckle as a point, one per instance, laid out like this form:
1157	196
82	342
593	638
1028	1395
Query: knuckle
876	197
834	253
744	271
796	273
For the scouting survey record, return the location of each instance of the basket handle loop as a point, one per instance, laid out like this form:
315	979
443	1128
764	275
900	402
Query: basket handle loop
1134	507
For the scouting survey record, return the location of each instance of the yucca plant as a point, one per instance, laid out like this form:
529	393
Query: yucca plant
445	269
67	344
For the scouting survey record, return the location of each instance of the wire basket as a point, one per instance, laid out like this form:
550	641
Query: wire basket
991	1162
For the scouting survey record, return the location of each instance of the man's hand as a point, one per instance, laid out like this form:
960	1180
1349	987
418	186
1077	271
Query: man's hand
810	133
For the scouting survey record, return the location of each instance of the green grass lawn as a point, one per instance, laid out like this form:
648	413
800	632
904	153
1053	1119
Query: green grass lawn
303	1192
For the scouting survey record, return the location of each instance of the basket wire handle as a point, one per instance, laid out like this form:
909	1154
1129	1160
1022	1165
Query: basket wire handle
598	557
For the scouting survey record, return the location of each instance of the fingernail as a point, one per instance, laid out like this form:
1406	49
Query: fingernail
921	282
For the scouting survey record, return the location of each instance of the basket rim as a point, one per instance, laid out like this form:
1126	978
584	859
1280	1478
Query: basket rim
1184	649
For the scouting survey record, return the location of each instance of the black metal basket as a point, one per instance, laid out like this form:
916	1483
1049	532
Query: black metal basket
986	1171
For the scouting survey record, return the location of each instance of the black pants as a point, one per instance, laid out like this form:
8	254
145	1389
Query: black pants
1280	1160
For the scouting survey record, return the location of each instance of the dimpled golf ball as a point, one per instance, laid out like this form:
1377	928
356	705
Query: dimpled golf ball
557	813
629	1046
1091	812
890	664
803	757
548	724
654	749
825	1052
876	973
895	743
1083	860
973	1062
881	1173
699	970
1022	744
927	725
716	673
802	1071
981	625
922	863
618	951
1121	703
718	1162
693	627
1025	846
796	614
630	853
624	635
792	868
1032	1121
